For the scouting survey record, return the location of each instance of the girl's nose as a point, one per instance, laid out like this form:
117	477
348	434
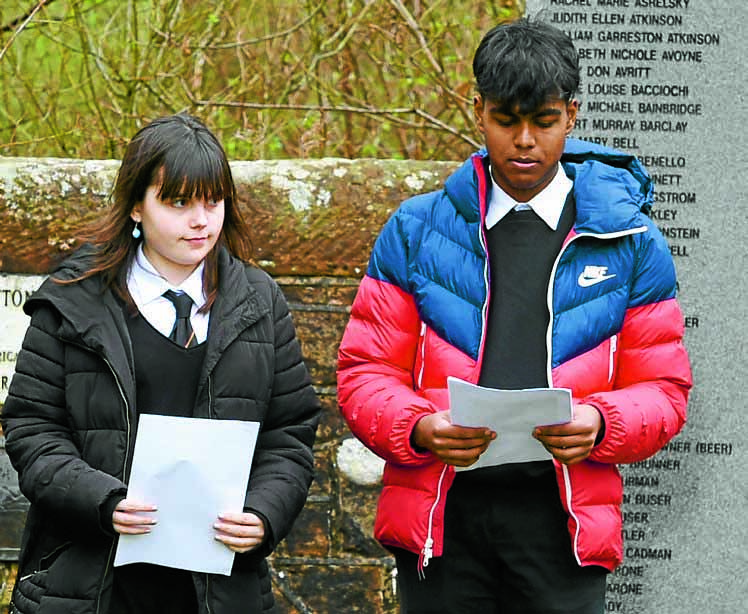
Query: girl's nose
199	217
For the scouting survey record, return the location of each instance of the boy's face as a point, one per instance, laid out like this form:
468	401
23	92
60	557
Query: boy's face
524	148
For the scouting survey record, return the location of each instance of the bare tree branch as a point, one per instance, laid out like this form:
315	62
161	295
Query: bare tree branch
297	107
446	127
247	42
24	21
18	20
336	109
416	29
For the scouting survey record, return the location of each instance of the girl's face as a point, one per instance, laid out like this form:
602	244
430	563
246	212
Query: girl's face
177	234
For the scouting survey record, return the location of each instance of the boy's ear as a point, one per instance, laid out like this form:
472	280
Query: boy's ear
478	111
571	111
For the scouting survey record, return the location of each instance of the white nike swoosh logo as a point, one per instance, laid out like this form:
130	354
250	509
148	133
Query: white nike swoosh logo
586	282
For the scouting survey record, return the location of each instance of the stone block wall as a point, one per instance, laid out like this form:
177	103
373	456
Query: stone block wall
313	224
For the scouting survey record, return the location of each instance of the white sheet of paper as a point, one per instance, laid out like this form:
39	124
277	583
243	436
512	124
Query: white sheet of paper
513	414
192	469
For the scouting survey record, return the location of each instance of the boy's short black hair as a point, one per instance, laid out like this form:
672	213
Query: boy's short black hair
525	63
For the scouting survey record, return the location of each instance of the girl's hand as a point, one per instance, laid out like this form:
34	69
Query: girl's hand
240	532
133	517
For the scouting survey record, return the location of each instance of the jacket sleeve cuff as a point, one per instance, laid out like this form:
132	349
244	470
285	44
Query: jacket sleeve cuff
600	433
106	509
268	543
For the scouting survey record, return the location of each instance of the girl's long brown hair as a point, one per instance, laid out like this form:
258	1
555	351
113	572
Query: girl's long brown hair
180	155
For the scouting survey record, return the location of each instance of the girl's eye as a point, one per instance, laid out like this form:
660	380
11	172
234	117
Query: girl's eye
178	203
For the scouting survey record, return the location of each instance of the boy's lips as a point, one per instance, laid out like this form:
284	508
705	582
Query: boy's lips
523	162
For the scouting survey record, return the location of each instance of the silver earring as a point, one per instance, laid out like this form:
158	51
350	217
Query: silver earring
136	231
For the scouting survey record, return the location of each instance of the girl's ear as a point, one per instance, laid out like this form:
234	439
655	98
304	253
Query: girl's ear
135	214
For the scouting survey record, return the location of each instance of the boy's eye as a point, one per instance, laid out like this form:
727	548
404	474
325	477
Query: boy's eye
546	121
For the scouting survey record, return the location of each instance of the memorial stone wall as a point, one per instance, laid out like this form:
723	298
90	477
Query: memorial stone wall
662	79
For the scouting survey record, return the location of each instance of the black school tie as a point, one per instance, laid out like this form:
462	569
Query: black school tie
182	333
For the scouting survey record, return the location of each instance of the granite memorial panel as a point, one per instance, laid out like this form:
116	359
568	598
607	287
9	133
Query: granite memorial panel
661	80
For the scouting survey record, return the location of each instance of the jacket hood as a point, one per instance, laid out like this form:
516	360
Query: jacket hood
90	314
84	305
595	170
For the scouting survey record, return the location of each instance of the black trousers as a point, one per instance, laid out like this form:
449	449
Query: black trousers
142	588
506	551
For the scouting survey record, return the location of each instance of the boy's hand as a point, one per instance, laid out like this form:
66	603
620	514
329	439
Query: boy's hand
455	445
572	442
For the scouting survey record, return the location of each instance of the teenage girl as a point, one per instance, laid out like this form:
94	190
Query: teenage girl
159	313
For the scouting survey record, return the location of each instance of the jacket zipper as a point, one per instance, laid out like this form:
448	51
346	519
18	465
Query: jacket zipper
611	361
549	350
124	464
210	415
422	341
484	310
428	548
207	588
210	397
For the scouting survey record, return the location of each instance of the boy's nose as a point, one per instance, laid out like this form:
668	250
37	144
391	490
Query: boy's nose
524	136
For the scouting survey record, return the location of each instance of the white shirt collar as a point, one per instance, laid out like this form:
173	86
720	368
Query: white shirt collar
547	204
146	284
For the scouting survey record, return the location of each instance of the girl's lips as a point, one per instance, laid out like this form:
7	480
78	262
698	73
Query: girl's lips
196	241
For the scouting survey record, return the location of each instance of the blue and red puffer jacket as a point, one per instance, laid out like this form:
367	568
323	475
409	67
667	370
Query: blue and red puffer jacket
420	316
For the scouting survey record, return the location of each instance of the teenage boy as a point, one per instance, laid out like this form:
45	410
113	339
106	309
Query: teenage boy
536	265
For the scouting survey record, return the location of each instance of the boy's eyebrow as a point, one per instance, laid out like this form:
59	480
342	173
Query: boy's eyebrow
547	111
498	110
501	110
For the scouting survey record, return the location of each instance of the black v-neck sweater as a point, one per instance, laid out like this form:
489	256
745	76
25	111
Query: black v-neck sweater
521	250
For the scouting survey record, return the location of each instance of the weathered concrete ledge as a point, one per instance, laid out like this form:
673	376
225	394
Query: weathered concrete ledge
308	217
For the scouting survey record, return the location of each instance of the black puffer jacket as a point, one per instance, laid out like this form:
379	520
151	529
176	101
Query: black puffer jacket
70	421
